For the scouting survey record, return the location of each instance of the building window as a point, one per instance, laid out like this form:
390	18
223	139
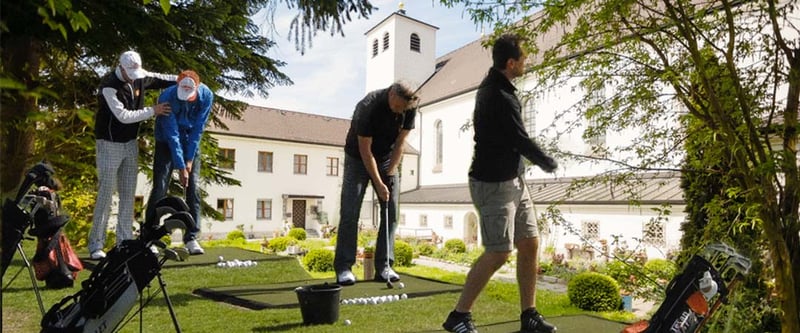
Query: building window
300	164
264	209
590	230
529	117
415	42
448	222
437	167
225	206
265	161
374	47
423	220
653	233
385	41
227	158
333	166
402	219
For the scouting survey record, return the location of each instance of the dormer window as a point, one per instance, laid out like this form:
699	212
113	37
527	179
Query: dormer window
385	41
374	47
415	42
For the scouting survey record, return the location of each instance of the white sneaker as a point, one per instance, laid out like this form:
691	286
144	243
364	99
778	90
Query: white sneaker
388	274
194	247
97	255
346	278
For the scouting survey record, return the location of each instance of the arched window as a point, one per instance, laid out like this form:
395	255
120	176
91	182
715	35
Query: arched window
439	132
374	47
385	41
415	42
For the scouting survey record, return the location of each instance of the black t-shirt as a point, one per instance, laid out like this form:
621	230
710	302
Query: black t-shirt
373	118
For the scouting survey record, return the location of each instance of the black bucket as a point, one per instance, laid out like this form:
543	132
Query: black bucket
319	304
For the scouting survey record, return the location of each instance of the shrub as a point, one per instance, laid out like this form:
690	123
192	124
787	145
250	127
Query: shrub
297	233
661	269
319	260
279	244
455	245
425	249
403	253
594	292
235	234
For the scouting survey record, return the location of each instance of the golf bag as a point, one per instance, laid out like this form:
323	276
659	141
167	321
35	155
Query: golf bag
109	294
707	278
55	262
18	213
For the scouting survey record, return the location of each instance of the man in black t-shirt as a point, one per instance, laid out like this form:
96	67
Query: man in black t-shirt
374	147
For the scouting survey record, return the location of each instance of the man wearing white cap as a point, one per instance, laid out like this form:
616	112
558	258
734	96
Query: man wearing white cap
177	141
121	99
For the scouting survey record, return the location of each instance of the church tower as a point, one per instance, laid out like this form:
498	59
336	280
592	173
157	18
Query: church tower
400	48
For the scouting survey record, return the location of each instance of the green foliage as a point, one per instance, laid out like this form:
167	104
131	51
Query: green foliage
319	260
280	244
594	292
425	249
455	245
403	253
661	269
235	234
297	233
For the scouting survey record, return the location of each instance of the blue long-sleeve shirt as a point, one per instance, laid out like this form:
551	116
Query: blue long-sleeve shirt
184	126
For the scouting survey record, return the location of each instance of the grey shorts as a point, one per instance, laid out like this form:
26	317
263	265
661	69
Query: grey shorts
505	209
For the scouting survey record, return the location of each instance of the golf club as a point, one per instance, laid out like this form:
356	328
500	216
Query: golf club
386	253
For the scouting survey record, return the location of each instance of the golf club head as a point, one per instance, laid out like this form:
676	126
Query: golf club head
164	211
171	254
182	253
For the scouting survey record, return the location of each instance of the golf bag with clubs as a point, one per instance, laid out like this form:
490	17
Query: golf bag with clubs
55	262
18	214
708	278
110	293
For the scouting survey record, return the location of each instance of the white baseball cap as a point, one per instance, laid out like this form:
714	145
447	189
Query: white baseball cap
187	88
131	62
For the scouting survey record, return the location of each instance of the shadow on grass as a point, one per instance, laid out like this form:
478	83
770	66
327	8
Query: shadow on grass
278	328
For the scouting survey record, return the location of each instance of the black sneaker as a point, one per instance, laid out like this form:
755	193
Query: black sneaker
459	323
531	321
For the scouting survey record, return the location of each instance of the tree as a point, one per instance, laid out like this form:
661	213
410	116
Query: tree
54	52
734	66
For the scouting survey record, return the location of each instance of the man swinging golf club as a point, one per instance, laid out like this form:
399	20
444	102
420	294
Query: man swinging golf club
373	149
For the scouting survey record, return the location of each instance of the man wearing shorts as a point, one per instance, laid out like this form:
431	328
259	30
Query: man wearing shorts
499	192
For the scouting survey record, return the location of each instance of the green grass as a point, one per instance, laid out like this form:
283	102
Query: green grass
499	302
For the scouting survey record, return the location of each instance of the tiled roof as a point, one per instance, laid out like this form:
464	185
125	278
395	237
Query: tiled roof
651	189
267	123
457	72
275	124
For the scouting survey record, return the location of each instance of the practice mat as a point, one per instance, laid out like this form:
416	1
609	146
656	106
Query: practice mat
282	295
565	324
211	257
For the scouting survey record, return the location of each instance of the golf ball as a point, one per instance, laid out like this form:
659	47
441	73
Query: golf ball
221	258
403	296
401	285
347	322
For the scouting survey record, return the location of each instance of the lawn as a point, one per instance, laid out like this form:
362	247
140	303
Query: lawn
499	302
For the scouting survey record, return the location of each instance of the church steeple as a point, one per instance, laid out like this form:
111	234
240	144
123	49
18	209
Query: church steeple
400	48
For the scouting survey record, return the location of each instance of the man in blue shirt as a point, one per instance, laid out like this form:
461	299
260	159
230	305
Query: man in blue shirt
177	140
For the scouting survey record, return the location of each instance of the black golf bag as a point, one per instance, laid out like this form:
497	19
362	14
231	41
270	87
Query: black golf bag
55	262
109	294
18	214
697	292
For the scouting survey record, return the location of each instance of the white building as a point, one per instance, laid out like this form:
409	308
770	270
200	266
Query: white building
290	163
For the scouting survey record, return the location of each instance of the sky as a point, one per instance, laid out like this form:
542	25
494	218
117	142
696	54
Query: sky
329	79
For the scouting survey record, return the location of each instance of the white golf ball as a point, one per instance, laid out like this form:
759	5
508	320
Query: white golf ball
221	258
401	285
347	322
396	297
403	296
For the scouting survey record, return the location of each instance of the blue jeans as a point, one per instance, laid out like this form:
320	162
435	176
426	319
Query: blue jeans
354	185
162	175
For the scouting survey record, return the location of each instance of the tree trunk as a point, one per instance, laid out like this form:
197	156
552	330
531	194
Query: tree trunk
21	56
784	274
